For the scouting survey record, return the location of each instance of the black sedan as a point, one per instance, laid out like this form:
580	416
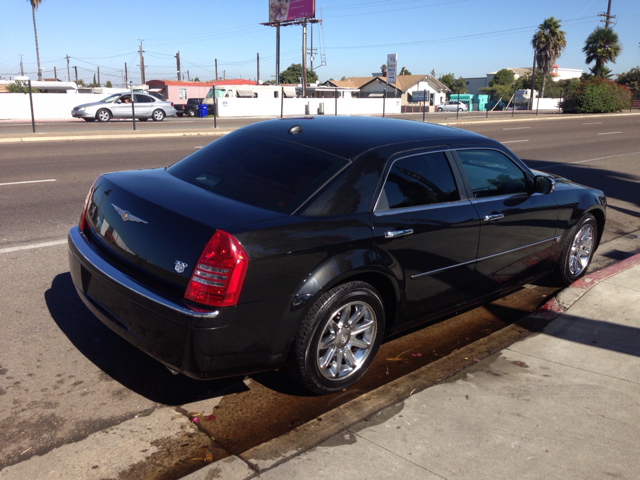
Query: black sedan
304	242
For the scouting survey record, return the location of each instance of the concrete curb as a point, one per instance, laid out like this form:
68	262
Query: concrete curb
116	135
450	123
279	450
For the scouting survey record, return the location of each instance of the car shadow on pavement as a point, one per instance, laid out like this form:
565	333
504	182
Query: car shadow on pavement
122	361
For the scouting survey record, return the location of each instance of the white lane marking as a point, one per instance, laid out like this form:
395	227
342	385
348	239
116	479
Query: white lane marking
198	146
592	123
514	141
28	181
608	133
591	160
516	128
32	246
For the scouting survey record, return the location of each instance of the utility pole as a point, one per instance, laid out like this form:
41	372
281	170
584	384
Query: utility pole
142	79
188	77
278	54
55	73
607	16
216	69
126	75
21	67
258	78
178	62
68	73
304	58
99	77
224	74
76	69
311	50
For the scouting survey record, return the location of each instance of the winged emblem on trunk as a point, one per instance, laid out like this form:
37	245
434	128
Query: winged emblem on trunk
126	216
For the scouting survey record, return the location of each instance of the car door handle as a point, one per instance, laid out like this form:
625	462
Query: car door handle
491	218
398	233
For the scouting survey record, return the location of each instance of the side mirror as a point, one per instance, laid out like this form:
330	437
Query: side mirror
544	184
118	101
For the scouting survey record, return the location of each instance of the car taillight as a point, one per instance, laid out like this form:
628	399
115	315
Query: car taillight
83	221
218	276
172	104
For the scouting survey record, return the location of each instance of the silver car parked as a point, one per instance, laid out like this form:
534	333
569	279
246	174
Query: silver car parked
119	105
452	106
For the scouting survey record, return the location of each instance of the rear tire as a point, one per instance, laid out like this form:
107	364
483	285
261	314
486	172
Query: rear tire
338	339
103	115
191	113
158	115
578	251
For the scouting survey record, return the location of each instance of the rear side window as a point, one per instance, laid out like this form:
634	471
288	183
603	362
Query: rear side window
259	170
491	173
419	180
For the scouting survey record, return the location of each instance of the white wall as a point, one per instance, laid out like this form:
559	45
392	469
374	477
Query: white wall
15	106
270	107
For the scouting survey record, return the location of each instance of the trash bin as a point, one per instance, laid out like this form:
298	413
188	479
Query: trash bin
321	109
306	109
202	110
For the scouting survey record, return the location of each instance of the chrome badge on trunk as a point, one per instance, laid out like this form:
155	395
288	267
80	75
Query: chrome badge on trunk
180	266
126	216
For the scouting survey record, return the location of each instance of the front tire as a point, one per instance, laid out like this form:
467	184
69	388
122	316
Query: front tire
103	115
158	115
338	338
440	109
578	251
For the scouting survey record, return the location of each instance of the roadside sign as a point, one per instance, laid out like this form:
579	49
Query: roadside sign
392	65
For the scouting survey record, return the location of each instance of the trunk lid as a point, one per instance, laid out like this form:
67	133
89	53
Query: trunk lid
154	226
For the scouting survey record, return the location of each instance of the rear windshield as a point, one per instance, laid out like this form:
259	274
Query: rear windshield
259	170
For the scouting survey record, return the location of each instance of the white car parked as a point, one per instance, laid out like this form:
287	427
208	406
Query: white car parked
119	105
452	106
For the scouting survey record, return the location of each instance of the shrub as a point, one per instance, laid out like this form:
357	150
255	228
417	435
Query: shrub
21	87
597	95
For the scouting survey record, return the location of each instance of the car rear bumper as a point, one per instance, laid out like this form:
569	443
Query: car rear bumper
201	344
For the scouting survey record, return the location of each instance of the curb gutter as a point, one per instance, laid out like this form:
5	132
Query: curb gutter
279	450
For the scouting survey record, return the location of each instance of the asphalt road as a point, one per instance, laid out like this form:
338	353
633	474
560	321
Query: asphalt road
64	376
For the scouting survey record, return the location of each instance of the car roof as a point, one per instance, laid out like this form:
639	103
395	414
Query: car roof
348	137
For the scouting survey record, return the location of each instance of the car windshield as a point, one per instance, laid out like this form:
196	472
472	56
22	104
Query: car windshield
259	170
111	98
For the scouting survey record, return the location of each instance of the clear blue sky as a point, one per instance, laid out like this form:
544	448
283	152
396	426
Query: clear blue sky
466	37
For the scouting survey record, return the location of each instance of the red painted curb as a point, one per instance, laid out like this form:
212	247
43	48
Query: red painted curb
553	308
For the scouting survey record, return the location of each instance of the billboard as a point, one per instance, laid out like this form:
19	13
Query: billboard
283	10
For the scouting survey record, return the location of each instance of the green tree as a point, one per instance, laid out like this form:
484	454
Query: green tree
631	79
501	86
548	42
34	6
108	84
21	87
94	83
81	83
383	68
602	46
404	71
293	74
597	95
456	85
196	79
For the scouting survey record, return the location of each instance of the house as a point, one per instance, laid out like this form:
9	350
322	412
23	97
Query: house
410	89
180	92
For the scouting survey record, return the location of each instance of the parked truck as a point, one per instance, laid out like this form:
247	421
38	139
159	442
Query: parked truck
190	109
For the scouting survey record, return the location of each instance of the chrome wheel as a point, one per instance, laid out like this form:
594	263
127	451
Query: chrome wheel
158	115
103	115
345	343
581	250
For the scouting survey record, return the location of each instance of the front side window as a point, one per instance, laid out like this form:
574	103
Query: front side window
491	173
419	180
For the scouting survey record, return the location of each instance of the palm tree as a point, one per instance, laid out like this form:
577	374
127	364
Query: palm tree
548	42
34	6
602	46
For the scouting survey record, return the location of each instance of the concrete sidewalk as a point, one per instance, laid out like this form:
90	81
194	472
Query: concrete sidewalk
563	403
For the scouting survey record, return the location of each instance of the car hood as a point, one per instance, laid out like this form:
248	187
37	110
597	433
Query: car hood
93	104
